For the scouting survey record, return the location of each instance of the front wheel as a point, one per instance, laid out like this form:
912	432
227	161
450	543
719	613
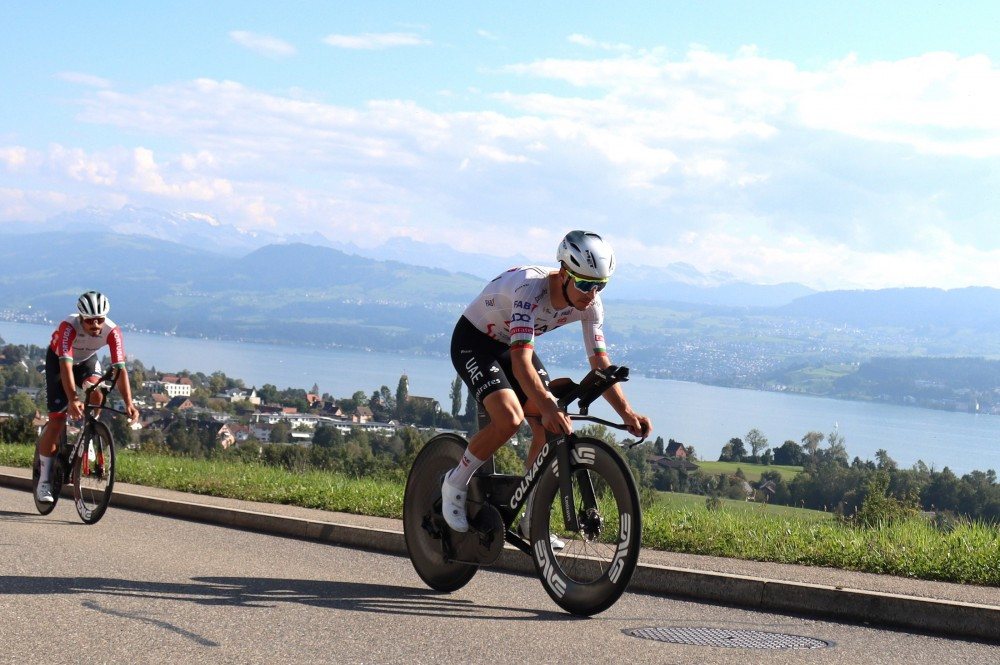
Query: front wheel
423	526
592	571
94	472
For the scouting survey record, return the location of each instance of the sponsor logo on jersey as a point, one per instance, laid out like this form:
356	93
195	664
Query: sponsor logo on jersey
475	375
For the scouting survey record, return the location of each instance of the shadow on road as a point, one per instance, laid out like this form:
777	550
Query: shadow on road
33	517
269	592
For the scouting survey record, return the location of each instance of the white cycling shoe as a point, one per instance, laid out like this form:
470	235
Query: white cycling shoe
453	506
524	529
44	492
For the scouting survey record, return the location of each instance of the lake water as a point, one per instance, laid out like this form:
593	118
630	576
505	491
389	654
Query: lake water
705	417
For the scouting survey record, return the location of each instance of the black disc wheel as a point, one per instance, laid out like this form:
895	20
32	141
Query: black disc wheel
596	565
424	529
93	474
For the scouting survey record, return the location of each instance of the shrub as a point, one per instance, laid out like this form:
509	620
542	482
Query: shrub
881	509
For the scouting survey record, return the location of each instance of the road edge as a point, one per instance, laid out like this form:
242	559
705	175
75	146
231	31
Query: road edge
931	615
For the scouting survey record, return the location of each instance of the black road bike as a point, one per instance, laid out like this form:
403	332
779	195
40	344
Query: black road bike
88	464
584	494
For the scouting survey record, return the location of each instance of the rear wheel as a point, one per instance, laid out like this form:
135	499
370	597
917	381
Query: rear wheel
93	474
424	529
595	567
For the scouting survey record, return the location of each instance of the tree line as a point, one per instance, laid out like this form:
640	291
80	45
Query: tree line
829	480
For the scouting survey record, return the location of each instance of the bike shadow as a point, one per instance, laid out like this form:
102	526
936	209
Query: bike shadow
252	592
33	517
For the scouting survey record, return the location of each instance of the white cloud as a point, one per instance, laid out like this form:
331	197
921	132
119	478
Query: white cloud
266	45
36	205
376	41
146	177
81	167
498	155
14	157
88	80
937	103
589	42
847	173
203	159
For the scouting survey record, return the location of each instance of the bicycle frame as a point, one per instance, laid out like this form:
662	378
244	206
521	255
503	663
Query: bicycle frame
104	384
509	493
604	528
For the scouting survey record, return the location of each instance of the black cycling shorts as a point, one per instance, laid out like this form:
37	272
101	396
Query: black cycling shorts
88	369
484	363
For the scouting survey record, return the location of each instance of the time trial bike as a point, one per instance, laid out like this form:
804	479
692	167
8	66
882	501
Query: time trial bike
88	463
583	493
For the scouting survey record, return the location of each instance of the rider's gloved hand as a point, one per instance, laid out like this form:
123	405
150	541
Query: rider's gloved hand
637	425
74	409
555	419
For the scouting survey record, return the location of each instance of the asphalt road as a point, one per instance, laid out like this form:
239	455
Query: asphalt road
141	588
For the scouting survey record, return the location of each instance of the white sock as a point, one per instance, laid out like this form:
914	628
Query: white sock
461	474
45	468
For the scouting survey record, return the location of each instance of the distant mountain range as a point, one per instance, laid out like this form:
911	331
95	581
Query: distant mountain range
189	275
914	308
676	282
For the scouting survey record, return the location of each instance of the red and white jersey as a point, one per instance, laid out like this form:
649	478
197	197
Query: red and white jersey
71	342
517	306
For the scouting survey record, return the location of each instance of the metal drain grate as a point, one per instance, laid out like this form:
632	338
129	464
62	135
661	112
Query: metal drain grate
723	637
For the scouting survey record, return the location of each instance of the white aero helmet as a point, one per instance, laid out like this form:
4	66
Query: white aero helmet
587	255
92	304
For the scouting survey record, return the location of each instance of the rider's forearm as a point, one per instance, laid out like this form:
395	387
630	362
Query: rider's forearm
614	395
125	387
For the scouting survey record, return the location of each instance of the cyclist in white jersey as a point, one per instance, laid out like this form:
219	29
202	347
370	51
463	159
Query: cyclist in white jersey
71	361
492	349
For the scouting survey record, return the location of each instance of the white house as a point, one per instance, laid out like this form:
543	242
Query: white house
171	386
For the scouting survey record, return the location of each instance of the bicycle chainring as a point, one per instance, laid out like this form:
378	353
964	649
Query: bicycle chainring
483	543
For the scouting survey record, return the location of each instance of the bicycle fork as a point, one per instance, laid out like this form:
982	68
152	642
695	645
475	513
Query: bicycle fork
92	459
566	487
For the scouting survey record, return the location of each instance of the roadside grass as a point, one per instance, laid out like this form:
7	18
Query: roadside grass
248	482
265	484
670	501
968	553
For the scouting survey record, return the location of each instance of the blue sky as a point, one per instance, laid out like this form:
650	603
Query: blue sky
840	145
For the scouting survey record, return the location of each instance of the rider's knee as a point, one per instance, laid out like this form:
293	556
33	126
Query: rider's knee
507	426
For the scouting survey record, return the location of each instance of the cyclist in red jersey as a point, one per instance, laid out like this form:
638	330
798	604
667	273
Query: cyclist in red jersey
492	349
71	362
